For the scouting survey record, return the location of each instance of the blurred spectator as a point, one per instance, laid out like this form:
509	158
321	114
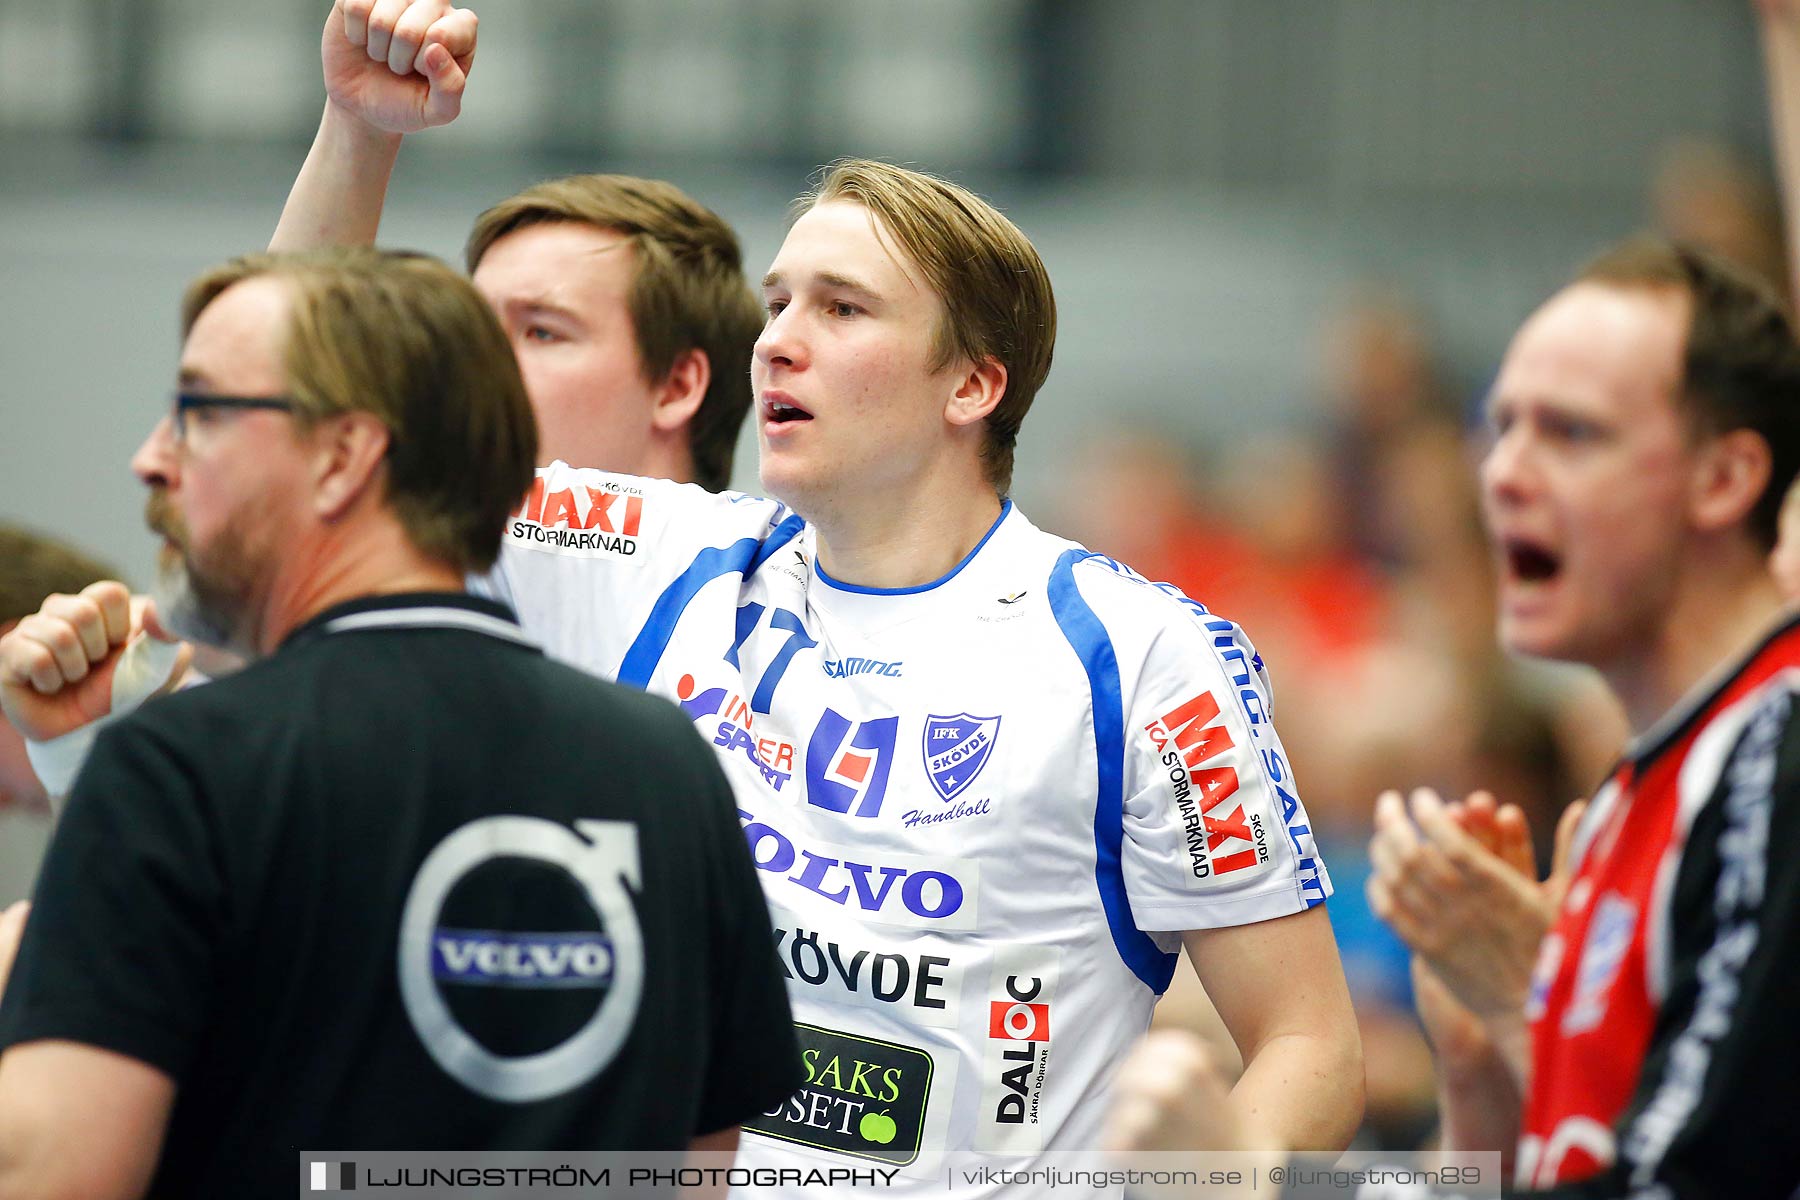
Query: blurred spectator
1358	567
1383	386
1264	544
1134	495
1313	598
1711	195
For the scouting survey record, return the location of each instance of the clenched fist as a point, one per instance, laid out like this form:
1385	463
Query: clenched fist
57	665
398	65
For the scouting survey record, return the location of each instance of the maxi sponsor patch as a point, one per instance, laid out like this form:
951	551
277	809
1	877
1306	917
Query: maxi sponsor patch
862	1097
585	522
1198	754
956	749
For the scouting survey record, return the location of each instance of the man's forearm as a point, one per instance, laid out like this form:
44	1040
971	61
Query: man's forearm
24	1157
1512	1045
1303	1091
1479	1105
1781	56
19	1180
338	196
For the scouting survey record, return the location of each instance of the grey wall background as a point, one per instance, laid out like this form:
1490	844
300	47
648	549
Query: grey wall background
1205	178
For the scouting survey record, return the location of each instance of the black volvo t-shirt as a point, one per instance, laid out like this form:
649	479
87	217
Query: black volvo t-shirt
405	885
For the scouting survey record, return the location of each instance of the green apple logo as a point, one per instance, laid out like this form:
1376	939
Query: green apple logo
878	1127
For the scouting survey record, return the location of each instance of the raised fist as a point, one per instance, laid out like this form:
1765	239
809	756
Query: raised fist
398	65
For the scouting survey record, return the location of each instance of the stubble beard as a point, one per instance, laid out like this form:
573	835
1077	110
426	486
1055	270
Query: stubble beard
194	600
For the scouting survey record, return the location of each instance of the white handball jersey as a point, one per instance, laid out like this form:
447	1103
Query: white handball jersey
983	809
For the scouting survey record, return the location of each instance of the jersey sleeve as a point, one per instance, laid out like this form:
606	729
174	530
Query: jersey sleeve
590	559
120	948
1214	831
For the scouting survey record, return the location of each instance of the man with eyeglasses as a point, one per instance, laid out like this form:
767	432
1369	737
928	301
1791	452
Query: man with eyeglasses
311	906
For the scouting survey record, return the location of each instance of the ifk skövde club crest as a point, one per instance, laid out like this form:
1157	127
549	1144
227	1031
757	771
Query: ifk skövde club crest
956	748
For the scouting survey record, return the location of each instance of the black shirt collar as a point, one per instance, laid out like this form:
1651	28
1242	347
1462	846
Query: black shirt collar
412	610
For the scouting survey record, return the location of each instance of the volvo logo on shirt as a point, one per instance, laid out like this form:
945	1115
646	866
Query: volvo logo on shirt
956	748
888	888
500	958
603	862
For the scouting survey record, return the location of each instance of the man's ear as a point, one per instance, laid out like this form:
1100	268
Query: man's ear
349	451
679	395
978	393
1732	473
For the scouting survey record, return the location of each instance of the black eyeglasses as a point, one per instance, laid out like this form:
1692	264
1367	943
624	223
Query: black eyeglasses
186	402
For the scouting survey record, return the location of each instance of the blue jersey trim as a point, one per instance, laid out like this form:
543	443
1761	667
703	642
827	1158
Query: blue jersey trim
1089	639
742	557
940	581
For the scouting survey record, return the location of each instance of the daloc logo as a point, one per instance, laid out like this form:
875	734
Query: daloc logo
956	748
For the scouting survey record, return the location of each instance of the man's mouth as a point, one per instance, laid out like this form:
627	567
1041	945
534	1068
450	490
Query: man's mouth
1530	562
782	410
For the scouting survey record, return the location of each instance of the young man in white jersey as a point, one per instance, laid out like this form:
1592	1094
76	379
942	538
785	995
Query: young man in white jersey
992	782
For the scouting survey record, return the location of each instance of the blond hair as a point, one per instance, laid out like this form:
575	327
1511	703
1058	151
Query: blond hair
406	339
688	290
996	293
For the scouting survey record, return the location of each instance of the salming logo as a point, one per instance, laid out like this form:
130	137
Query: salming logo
844	668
